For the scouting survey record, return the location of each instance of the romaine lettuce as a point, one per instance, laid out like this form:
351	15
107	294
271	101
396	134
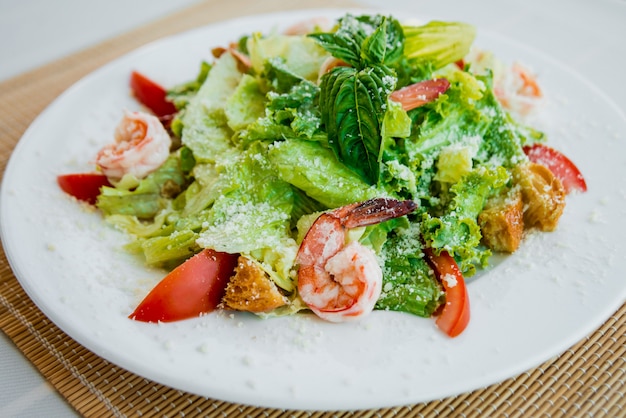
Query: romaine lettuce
316	171
146	198
439	43
301	55
205	127
409	284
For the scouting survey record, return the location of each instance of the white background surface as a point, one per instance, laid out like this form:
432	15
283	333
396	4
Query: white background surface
584	34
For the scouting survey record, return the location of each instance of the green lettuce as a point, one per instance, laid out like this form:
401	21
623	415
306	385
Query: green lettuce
183	93
205	129
146	198
300	55
438	43
409	284
292	114
264	152
316	171
457	230
245	105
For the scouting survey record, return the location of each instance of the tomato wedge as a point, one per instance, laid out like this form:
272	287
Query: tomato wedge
151	94
418	94
456	313
561	166
83	186
191	289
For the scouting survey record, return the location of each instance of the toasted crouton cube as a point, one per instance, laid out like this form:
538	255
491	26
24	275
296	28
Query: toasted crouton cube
543	196
502	221
251	289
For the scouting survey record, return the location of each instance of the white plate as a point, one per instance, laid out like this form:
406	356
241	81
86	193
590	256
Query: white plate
533	305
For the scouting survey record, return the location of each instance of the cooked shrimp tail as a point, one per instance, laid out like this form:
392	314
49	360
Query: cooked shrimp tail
340	282
375	211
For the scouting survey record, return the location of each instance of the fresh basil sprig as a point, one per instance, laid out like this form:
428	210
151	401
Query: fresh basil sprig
353	107
385	45
362	41
353	99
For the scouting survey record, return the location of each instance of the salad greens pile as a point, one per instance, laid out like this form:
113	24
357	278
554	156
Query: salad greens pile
264	150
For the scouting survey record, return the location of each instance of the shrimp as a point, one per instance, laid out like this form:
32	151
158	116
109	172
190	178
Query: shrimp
141	145
515	86
340	282
517	90
315	24
243	61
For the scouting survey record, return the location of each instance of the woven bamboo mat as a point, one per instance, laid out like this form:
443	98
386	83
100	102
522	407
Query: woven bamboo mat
586	380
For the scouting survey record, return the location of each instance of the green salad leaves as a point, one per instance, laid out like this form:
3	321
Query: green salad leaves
308	125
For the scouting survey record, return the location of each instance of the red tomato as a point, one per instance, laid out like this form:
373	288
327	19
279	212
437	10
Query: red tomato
418	94
456	313
561	166
83	186
191	289
151	95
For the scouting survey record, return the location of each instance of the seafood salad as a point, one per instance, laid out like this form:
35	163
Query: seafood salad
336	168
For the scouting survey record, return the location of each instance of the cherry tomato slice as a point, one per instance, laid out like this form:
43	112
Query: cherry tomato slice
456	313
191	289
418	94
561	166
83	186
151	95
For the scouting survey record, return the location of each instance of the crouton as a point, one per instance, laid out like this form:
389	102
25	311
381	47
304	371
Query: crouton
502	221
251	289
543	195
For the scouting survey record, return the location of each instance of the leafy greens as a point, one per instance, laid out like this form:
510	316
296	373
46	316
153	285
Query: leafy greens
265	150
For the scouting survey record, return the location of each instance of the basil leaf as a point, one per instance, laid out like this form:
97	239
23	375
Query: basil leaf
341	44
353	106
386	44
329	87
364	40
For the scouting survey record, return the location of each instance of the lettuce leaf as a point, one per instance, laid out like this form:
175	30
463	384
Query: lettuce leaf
205	128
457	230
245	105
147	198
408	282
438	43
183	93
316	171
254	216
300	55
293	114
466	127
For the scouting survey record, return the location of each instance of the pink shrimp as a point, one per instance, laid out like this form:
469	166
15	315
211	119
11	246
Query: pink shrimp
515	86
308	26
141	145
340	282
517	90
243	61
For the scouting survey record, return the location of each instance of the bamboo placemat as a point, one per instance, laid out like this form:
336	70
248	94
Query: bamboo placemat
586	380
